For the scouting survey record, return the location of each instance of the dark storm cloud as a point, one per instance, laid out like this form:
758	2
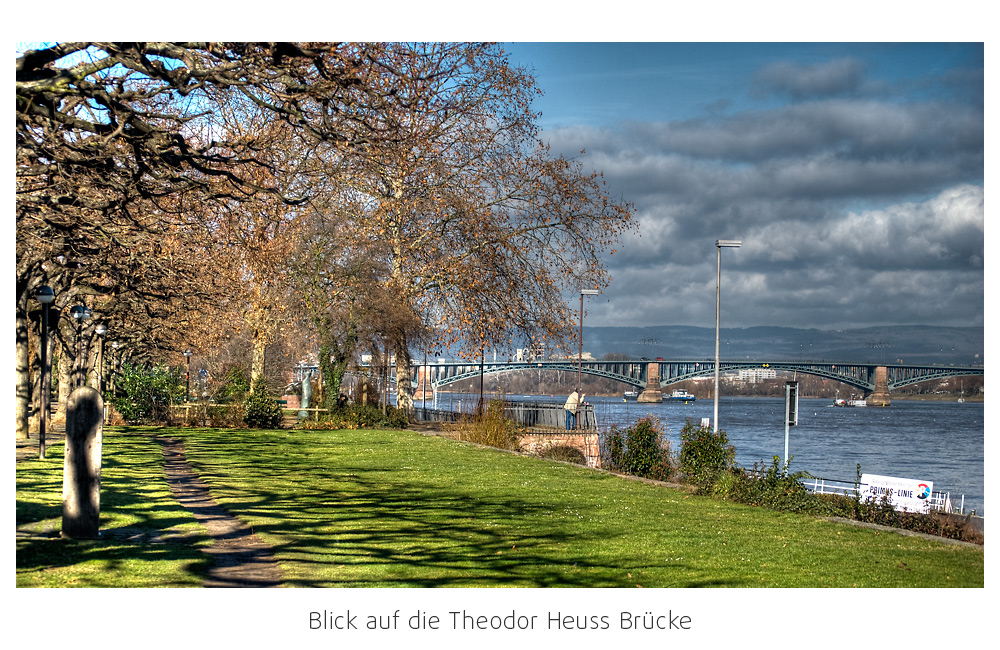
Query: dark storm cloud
851	129
804	81
852	211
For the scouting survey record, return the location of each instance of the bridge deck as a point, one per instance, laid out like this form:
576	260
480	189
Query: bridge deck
635	372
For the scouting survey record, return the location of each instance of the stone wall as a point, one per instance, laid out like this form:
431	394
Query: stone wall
587	442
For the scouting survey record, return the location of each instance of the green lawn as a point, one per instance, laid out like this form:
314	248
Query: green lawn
148	539
395	508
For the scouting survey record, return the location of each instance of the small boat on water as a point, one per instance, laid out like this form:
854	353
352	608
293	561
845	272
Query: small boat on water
850	402
679	396
630	394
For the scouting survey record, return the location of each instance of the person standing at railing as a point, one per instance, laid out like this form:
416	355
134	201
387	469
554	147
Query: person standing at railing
572	407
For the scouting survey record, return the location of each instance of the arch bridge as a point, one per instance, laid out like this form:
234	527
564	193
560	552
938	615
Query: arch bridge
642	374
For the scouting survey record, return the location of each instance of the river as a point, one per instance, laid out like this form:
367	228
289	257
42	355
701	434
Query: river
934	440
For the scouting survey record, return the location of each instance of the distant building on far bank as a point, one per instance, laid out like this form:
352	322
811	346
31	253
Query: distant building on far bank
755	375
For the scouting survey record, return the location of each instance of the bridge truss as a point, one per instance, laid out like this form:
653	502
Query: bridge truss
635	372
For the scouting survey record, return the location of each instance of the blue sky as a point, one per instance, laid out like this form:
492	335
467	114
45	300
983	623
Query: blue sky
853	173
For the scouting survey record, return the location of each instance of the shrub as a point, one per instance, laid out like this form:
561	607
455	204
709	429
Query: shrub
491	428
778	489
260	410
235	387
225	415
773	488
613	449
357	416
145	394
705	454
639	450
564	453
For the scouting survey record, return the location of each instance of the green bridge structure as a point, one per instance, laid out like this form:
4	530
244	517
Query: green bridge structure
874	380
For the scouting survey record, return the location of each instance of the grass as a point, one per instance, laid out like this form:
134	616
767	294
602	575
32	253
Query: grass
148	539
371	508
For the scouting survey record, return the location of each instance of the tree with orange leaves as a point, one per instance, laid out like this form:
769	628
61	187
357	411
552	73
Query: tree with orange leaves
479	228
116	137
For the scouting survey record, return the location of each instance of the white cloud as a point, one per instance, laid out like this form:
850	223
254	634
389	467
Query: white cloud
855	210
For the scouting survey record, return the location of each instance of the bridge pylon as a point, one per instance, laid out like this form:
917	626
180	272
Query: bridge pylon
880	396
652	393
424	382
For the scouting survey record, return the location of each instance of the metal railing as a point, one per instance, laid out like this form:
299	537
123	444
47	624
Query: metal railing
937	502
207	412
527	414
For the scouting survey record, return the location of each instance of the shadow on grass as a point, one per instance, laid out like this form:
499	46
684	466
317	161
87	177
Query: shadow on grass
93	563
359	525
146	539
350	511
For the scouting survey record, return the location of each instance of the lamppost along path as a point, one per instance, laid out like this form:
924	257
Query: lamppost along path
579	358
719	245
45	297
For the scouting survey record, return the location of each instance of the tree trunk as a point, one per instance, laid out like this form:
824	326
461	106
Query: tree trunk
404	389
333	366
257	363
35	370
65	372
22	392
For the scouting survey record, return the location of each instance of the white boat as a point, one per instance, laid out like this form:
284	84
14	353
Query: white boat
850	402
679	396
630	394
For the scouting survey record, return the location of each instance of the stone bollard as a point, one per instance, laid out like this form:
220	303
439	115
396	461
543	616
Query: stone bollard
82	466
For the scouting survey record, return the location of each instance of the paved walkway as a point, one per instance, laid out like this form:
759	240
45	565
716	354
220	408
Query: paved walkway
239	557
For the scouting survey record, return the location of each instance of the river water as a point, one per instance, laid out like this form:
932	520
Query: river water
935	440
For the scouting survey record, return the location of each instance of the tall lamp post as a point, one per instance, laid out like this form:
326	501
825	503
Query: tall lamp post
80	313
114	366
187	375
579	358
719	245
45	297
100	330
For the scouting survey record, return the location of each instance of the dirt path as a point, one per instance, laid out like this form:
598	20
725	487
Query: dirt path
239	558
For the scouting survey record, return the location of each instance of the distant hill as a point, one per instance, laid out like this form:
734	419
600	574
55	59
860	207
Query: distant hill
909	344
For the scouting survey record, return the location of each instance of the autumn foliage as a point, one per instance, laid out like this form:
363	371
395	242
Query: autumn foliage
331	197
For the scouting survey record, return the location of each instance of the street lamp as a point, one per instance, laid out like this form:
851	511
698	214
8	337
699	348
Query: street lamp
187	375
114	366
45	297
579	358
80	313
719	245
100	330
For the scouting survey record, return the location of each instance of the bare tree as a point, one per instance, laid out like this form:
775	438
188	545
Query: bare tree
479	228
119	143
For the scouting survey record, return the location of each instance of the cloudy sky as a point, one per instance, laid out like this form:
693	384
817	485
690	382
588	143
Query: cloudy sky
853	174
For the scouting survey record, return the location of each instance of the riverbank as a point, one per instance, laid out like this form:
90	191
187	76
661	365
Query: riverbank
932	397
898	395
411	510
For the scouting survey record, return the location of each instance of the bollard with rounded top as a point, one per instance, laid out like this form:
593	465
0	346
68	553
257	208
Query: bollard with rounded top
82	465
